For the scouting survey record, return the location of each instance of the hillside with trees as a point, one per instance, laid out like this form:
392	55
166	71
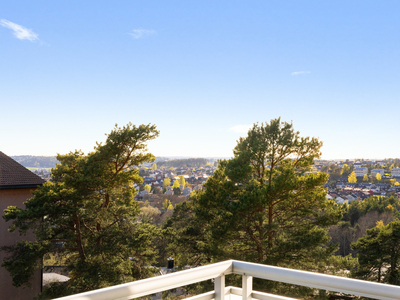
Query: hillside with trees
30	161
187	162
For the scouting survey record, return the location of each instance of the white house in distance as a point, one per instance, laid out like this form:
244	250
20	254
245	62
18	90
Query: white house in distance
376	171
396	172
360	172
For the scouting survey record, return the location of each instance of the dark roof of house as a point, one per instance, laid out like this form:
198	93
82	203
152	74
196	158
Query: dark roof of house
14	176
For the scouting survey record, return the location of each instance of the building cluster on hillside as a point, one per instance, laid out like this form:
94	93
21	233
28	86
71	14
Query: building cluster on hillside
345	192
342	191
44	173
156	178
361	168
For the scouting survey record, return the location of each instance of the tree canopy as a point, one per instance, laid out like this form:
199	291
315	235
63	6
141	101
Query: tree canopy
264	205
352	177
378	177
346	169
166	182
88	216
379	254
176	184
182	181
177	191
167	204
147	188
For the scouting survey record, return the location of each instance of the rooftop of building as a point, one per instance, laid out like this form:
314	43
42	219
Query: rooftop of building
13	175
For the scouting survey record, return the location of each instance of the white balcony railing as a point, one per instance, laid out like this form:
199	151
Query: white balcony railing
218	271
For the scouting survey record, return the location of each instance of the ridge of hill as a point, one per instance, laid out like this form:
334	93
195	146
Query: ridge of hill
31	161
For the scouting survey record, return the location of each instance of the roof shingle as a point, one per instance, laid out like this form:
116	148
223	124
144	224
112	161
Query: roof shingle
14	175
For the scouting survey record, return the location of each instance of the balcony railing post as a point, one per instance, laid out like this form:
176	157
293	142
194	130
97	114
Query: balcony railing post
219	287
247	287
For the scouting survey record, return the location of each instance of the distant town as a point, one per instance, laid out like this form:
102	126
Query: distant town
360	179
349	180
166	182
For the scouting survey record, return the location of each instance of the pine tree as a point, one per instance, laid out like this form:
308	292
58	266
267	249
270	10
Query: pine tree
264	205
87	216
379	254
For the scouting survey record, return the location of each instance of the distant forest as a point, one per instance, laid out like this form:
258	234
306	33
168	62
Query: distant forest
29	161
189	162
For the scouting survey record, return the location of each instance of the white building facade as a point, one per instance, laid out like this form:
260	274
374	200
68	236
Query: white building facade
376	171
360	172
396	172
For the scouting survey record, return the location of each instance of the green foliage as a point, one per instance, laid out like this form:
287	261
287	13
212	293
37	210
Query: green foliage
346	170
88	214
333	170
148	214
143	172
340	265
263	205
379	254
187	240
356	209
359	216
24	259
177	191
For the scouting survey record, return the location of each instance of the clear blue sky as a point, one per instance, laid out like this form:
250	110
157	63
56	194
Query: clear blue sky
202	71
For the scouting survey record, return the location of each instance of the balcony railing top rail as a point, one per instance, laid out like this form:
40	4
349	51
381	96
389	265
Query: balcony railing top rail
248	271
